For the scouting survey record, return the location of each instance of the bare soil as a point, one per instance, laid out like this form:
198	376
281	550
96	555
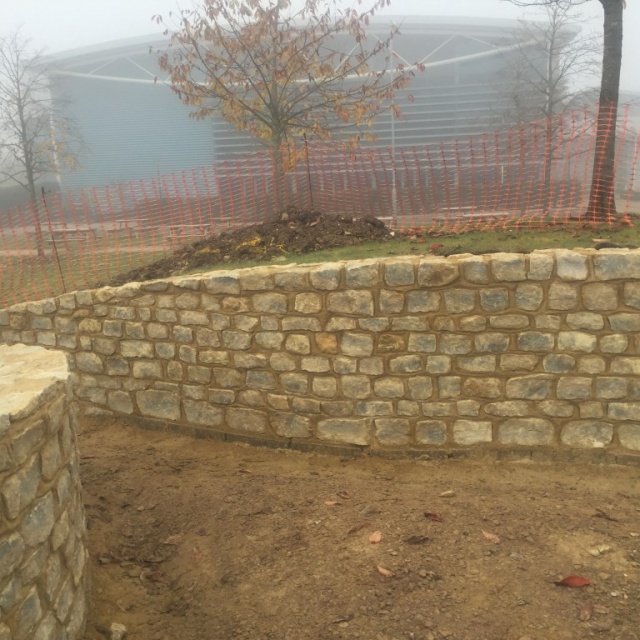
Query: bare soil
294	232
205	540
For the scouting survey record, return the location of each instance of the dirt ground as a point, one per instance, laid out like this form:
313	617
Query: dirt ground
203	540
294	232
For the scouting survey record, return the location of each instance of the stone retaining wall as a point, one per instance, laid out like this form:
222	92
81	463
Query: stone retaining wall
43	557
421	353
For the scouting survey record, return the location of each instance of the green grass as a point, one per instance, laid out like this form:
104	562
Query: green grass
475	242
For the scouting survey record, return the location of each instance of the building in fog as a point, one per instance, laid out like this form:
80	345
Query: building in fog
134	127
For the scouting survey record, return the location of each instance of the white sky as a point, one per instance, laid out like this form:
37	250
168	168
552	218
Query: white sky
56	25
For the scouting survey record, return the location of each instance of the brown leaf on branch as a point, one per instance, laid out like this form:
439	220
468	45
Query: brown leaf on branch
433	516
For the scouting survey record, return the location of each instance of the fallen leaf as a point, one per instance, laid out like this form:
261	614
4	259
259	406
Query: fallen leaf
174	539
385	572
586	612
439	245
447	494
345	495
244	471
600	609
375	537
357	527
416	540
331	503
345	618
433	516
491	537
573	581
601	513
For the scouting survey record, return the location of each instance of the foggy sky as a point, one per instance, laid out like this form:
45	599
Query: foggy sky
57	25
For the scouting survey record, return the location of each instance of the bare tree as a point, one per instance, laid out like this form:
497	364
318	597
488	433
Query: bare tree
36	139
551	55
281	72
602	204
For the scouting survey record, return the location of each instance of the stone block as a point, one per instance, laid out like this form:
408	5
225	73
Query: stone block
585	320
406	364
136	349
617	265
475	269
308	303
591	409
438	364
147	369
89	362
533	387
12	550
611	388
246	420
393	431
431	432
468	408
295	279
437	272
326	342
389	388
375	408
587	434
236	340
28	614
562	296
470	432
258	279
391	342
357	344
494	300
438	409
482	387
629	365
528	432
540	266
324	386
295	382
351	302
18	490
508	409
422	342
574	388
477	364
202	413
339	323
577	341
558	363
631	294
399	273
626	322
616	343
571	265
491	342
38	522
289	425
509	321
362	274
257	379
449	387
337	408
515	362
344	431
629	435
356	387
529	297
473	323
423	301
326	277
158	404
455	344
372	366
459	300
344	365
221	396
624	410
391	301
410	323
600	297
275	303
592	365
120	401
408	408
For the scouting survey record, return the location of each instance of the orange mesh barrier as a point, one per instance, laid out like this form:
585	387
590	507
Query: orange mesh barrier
537	175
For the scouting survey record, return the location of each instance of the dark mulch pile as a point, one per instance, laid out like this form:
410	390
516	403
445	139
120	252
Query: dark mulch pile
295	232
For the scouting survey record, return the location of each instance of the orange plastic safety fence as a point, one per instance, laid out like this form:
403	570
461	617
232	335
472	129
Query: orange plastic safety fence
536	175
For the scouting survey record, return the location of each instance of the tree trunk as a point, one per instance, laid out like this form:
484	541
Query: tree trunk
602	203
548	166
278	177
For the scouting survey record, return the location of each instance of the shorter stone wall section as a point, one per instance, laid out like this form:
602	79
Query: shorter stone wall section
43	558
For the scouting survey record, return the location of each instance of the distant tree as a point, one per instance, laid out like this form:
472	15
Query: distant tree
540	76
602	203
36	139
280	70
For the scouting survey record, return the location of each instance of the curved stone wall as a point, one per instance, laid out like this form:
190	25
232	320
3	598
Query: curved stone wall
537	352
43	556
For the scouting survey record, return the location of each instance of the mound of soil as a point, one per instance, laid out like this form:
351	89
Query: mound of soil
294	232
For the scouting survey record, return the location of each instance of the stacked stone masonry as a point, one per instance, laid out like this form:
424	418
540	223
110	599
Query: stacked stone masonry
43	558
499	351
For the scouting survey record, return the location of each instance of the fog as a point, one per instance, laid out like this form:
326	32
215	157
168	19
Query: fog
58	25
